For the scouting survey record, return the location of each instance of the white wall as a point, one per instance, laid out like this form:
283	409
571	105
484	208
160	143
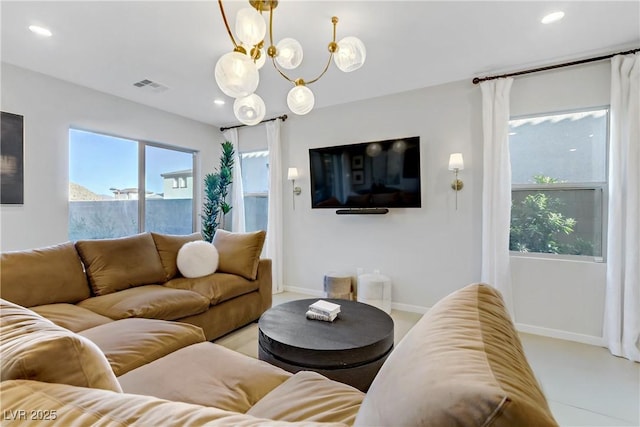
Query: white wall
50	107
434	250
427	252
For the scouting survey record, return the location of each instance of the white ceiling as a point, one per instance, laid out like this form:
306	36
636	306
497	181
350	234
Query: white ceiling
110	45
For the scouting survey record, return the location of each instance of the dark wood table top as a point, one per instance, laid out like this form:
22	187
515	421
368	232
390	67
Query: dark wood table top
360	334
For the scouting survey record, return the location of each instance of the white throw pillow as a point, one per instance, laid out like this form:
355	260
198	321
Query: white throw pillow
197	259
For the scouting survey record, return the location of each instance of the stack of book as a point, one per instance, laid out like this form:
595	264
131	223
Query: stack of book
323	310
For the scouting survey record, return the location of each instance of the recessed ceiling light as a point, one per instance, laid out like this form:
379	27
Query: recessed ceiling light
552	17
41	31
218	101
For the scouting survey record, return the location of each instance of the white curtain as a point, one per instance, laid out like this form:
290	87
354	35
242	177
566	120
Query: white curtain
274	220
622	298
496	187
237	192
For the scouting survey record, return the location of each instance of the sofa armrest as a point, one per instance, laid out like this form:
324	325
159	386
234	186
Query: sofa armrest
265	283
462	364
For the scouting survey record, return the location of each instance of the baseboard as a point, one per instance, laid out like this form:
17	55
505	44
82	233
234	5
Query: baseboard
394	305
559	334
304	291
410	308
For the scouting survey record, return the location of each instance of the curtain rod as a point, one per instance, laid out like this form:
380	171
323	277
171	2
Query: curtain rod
283	117
552	67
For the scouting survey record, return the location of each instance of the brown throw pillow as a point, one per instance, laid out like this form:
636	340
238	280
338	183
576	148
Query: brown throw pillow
117	264
239	253
168	246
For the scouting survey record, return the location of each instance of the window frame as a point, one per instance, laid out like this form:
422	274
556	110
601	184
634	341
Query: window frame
603	187
255	194
142	144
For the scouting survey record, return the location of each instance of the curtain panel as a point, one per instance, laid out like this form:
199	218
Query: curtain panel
496	187
274	249
622	297
237	192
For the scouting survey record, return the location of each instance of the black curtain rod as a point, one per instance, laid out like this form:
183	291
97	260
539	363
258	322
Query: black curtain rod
552	67
283	117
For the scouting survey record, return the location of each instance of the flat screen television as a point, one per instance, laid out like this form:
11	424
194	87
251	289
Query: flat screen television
378	174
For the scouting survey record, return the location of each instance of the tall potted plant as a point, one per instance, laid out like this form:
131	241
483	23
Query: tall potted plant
216	189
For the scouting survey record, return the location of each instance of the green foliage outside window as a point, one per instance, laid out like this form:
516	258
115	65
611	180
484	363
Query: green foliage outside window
537	225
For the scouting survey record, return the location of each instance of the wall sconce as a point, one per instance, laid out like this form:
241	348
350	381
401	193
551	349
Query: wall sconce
292	175
456	163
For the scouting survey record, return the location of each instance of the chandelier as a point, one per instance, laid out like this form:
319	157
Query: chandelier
237	72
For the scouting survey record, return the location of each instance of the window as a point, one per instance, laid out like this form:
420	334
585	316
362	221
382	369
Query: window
559	183
119	187
255	183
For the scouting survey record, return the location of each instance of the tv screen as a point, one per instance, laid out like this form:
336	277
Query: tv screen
378	174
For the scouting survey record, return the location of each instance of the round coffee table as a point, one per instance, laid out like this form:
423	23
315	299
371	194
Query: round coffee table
351	349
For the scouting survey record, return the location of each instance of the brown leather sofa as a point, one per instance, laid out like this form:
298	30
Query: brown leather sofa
462	364
94	282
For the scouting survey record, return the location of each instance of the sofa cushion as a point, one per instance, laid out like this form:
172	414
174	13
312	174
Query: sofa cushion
168	246
197	259
43	276
131	343
116	264
206	374
309	396
461	364
150	301
77	406
216	287
239	253
70	316
34	348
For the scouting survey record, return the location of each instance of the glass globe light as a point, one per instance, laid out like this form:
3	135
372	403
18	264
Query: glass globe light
250	26
300	100
289	53
400	146
236	74
351	54
250	110
374	149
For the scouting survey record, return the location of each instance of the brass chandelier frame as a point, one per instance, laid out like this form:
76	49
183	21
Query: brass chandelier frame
270	5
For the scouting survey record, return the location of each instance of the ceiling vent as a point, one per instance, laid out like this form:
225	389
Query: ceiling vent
151	86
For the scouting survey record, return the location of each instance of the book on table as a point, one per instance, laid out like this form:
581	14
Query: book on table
325	307
314	315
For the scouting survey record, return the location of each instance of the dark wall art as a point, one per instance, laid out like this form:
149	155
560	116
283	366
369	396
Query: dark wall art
12	159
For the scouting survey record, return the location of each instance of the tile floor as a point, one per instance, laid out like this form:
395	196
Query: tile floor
585	385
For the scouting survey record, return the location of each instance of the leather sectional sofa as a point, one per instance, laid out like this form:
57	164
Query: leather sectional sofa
462	364
92	282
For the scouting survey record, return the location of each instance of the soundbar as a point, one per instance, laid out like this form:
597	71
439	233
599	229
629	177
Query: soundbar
363	211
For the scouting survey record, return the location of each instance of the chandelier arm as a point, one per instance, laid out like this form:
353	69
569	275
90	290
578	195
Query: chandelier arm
273	60
226	24
326	67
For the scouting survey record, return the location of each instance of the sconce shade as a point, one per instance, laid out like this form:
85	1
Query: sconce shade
250	26
236	75
289	53
456	162
250	110
351	54
300	100
292	174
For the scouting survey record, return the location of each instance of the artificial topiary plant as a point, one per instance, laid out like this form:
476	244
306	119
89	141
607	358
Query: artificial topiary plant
216	189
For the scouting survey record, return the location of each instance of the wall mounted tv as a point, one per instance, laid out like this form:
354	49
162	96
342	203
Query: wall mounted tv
378	174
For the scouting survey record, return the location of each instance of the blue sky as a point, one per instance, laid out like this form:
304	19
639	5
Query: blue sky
100	162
